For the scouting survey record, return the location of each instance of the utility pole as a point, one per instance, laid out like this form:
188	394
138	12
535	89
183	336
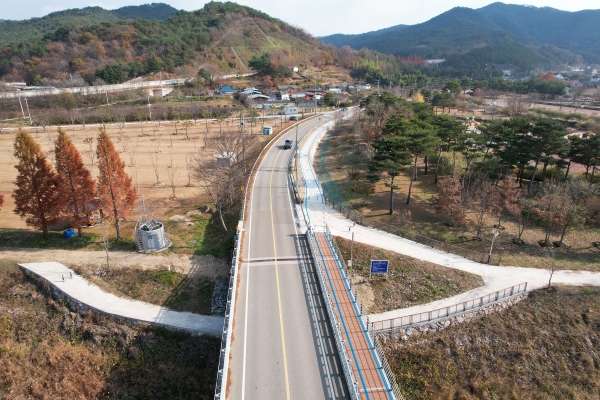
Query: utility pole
21	104
106	92
27	104
351	249
378	86
494	235
149	109
296	158
243	143
315	94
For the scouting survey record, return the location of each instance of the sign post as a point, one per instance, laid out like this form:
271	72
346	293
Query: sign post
379	267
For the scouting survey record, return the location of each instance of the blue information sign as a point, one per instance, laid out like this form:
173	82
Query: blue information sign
379	266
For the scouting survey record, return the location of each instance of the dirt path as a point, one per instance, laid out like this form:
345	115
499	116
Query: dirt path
207	266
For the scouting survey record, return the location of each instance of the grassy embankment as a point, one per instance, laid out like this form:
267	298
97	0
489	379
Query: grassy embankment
410	281
48	352
547	347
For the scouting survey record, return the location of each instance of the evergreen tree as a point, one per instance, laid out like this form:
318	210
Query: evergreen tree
74	181
114	185
419	143
36	195
547	139
392	158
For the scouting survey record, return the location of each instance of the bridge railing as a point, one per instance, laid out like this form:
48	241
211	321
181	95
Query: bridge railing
444	312
223	370
376	350
340	343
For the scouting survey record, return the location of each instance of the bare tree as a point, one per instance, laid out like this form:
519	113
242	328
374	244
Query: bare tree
90	152
173	176
221	172
449	200
186	125
483	197
155	163
189	166
516	105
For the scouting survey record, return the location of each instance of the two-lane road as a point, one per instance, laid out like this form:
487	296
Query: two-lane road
276	352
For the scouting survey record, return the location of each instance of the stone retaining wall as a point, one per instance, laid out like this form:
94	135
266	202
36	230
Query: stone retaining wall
435	326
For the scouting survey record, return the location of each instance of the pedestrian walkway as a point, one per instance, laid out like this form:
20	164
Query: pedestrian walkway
78	288
371	383
495	278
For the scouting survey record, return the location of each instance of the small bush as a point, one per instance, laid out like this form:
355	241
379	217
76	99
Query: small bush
365	189
168	278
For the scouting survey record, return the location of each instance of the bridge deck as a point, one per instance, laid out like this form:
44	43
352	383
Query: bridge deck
369	377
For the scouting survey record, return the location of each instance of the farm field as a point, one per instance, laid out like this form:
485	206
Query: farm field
152	152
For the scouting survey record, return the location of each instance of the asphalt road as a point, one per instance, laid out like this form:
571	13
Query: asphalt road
276	351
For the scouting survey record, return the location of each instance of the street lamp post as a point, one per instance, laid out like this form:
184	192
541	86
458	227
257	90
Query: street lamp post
296	157
494	236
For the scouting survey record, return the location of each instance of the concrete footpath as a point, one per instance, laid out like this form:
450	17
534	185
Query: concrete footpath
91	295
495	277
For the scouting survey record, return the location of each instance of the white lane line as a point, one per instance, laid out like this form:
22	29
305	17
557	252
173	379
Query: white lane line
247	288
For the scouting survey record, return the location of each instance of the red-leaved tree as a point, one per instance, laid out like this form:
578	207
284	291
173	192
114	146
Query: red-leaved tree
114	185
74	181
37	198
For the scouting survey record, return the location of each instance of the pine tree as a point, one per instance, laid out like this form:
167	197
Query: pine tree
74	181
114	185
36	195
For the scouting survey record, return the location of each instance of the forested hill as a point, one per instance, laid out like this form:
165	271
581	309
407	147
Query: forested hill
159	11
340	39
114	49
36	28
551	36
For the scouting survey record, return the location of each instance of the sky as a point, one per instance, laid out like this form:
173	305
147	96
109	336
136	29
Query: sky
318	17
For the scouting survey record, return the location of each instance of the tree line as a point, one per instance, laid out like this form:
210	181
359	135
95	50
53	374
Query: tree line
498	167
44	193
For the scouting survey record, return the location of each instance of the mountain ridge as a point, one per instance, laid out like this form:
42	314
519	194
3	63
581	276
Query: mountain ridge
463	30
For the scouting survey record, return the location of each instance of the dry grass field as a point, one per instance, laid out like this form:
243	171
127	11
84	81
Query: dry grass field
546	347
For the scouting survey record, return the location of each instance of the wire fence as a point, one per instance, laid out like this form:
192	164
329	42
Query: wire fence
445	312
433	243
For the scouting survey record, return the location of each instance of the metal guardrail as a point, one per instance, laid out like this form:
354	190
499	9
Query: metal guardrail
445	312
434	244
223	370
340	343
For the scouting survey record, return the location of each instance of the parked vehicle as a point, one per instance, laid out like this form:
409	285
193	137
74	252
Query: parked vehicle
288	144
293	118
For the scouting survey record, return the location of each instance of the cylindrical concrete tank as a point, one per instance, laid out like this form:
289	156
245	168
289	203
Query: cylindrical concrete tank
151	234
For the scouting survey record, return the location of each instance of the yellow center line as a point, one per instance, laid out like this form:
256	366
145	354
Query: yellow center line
287	383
